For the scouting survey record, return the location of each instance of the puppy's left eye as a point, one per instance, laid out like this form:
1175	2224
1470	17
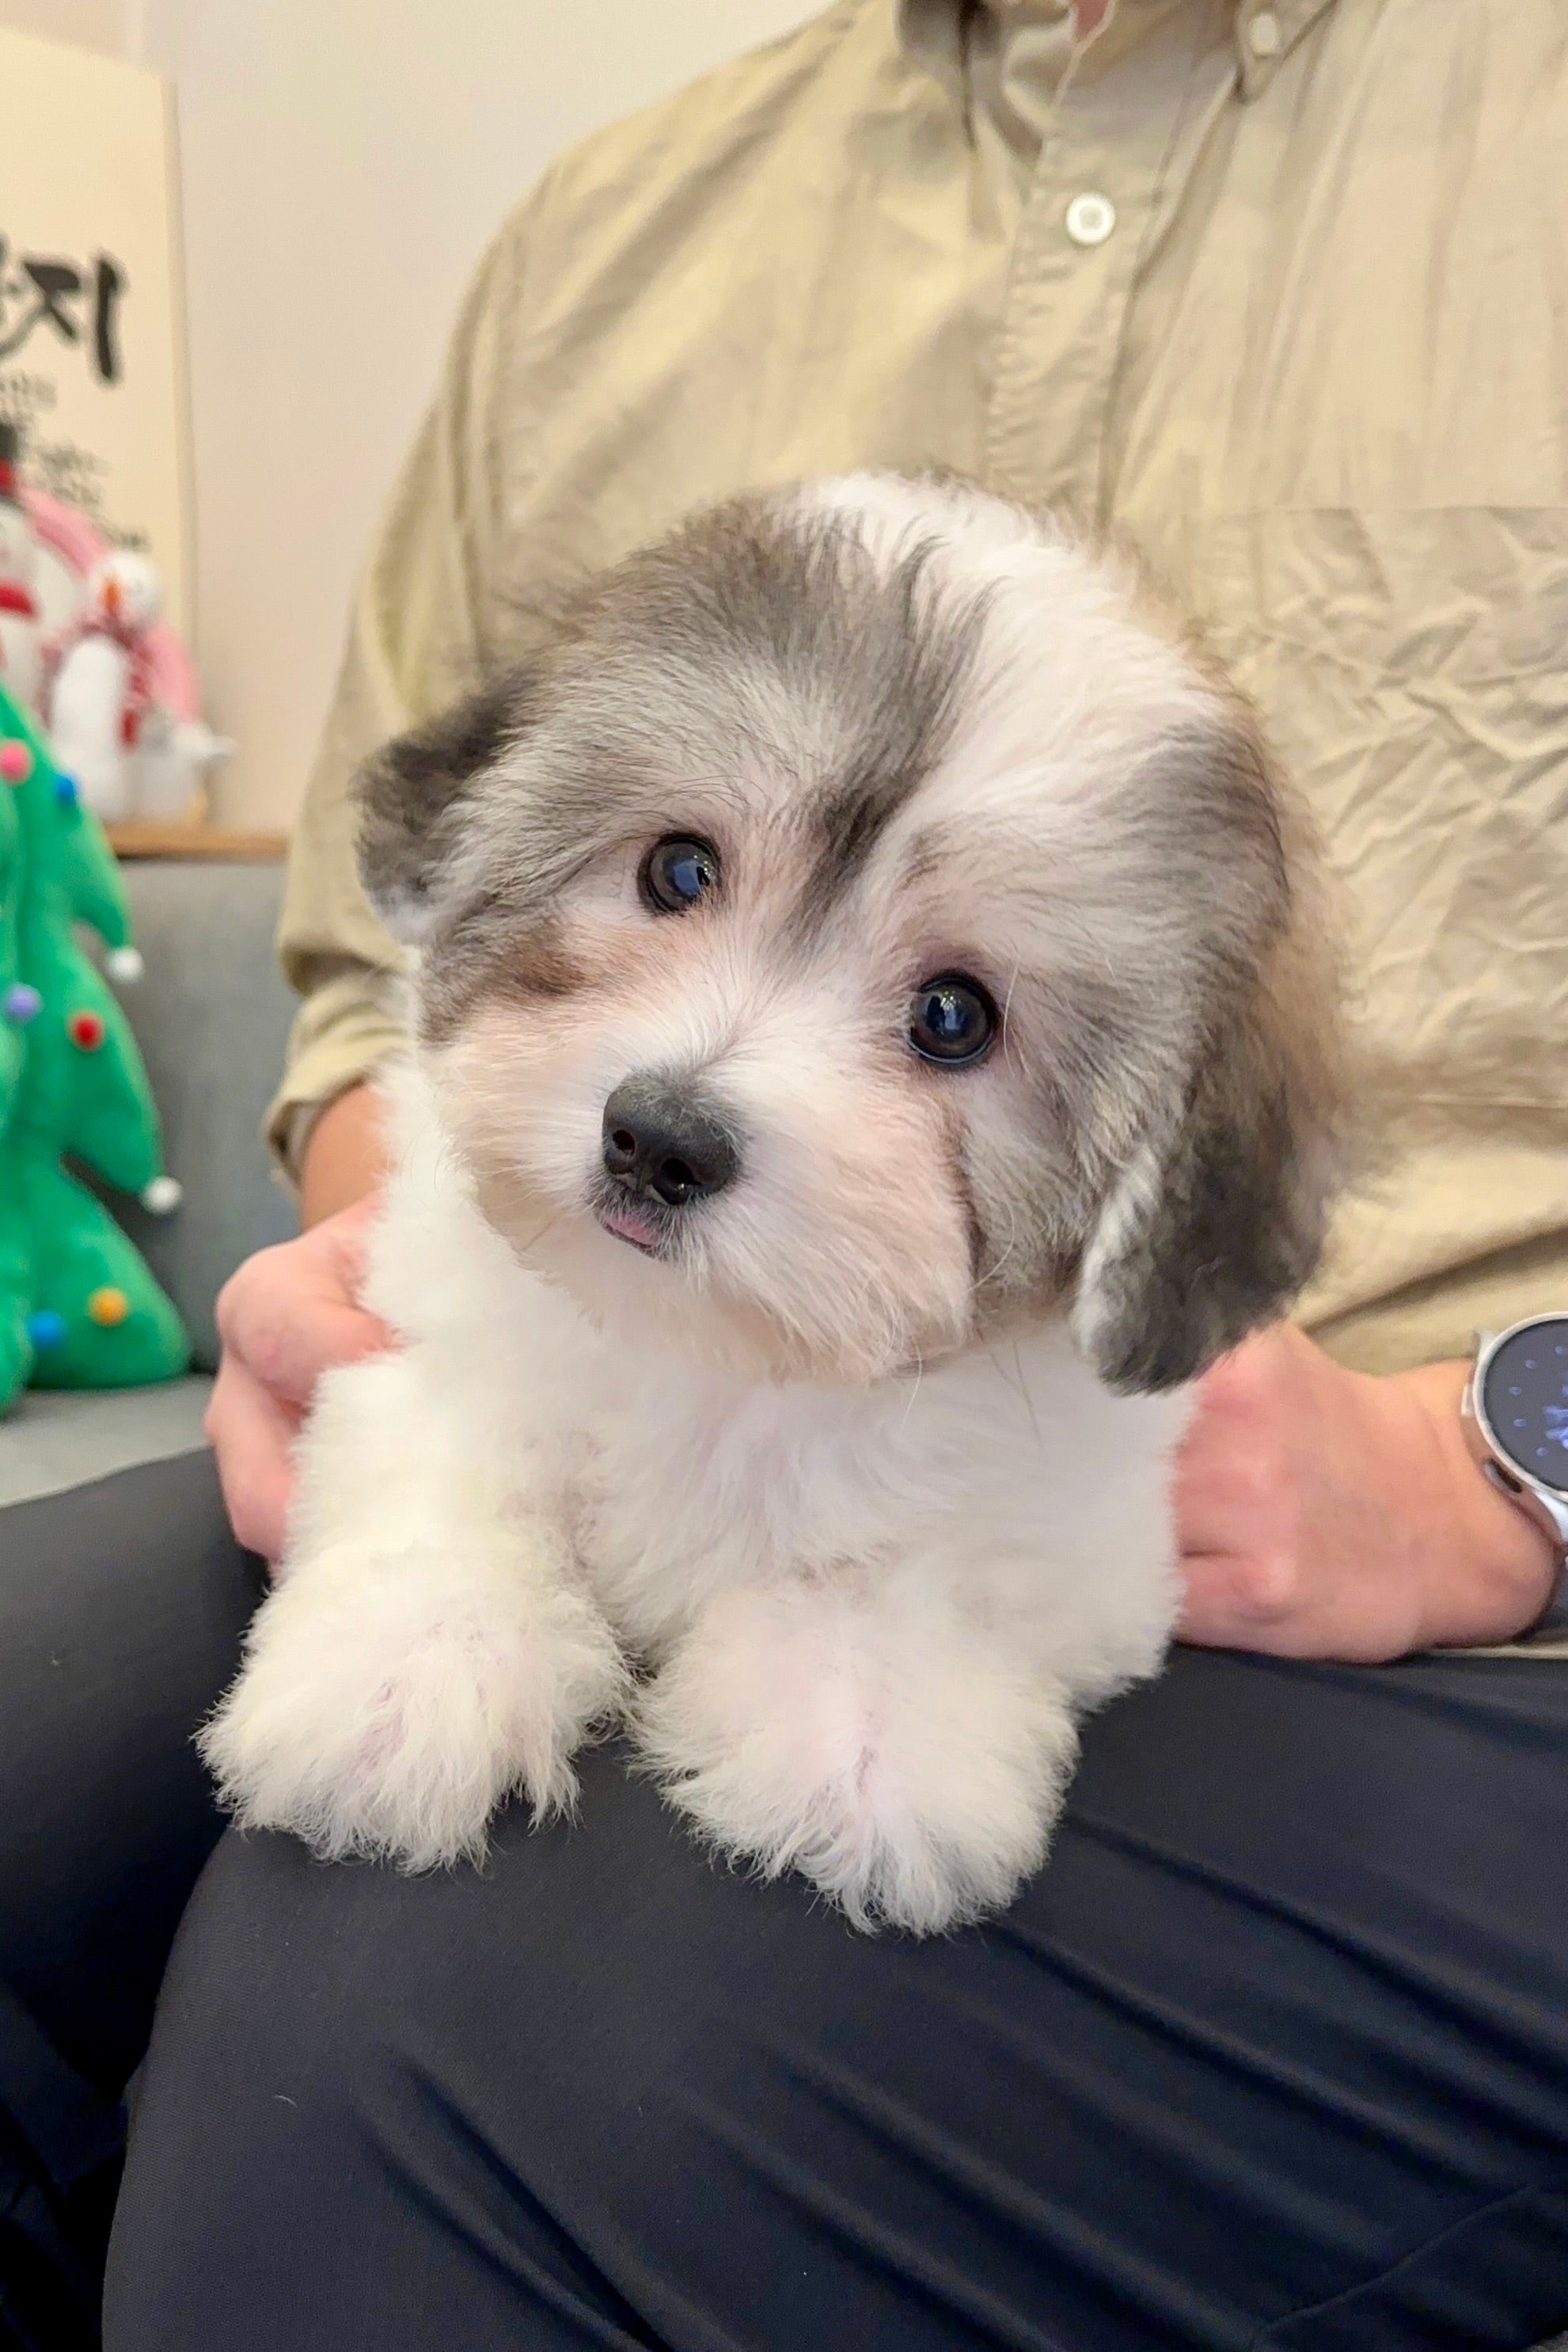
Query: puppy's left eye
676	873
951	1019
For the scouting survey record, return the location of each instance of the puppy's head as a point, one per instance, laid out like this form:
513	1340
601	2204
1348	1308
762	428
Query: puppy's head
865	929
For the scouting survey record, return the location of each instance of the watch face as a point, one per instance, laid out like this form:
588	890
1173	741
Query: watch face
1525	1399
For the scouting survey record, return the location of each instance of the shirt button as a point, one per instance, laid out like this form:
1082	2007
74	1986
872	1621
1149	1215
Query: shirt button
1263	34
1091	218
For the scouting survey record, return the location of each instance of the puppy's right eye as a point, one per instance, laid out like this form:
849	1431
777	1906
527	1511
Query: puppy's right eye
676	873
951	1020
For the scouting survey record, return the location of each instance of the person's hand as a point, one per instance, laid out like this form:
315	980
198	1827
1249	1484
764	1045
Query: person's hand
1325	1514
287	1315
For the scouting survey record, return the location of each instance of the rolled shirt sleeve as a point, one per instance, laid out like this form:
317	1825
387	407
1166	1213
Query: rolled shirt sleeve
418	633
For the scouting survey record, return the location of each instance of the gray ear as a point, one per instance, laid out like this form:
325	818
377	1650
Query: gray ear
1218	1223
416	793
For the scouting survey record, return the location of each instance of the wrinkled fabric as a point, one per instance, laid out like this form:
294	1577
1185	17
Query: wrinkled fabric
1319	368
1273	2054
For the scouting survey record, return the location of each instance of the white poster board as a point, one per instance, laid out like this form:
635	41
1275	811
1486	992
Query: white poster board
91	352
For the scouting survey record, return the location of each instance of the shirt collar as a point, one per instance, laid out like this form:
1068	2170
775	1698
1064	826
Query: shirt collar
1264	31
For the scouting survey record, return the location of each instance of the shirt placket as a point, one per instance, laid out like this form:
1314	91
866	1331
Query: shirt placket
1109	167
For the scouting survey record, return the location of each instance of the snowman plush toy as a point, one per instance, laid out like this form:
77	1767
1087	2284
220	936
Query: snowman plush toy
130	757
20	633
102	691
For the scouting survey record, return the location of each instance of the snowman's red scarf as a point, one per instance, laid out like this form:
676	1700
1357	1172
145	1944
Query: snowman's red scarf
139	686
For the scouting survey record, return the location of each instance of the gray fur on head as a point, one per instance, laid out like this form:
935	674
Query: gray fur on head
925	733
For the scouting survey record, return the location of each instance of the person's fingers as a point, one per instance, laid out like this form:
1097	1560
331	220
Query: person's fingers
341	1242
289	1343
343	1238
287	1315
345	1233
252	1434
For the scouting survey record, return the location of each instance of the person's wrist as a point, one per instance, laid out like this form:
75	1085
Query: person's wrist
1502	1567
345	1155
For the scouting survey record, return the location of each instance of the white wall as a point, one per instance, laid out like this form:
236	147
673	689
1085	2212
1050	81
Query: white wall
90	24
343	162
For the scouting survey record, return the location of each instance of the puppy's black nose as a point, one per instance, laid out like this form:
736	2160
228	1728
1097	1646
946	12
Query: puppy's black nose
660	1139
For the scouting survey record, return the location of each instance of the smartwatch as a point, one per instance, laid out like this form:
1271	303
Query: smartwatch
1516	1419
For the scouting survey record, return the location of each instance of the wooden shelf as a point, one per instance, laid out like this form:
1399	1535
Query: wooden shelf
193	841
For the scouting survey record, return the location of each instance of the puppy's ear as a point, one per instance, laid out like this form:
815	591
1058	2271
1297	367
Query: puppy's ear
417	793
1219	1221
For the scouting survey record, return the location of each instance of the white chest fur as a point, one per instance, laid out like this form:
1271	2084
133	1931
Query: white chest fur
851	1629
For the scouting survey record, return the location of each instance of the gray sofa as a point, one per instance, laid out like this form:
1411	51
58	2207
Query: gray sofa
122	1602
211	1015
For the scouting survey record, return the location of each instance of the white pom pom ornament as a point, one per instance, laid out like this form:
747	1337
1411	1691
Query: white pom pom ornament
124	966
164	1194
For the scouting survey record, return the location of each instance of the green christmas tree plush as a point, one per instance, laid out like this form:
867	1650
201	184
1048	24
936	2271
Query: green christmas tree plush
79	1307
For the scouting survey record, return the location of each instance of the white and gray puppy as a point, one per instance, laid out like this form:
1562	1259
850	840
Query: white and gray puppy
873	1050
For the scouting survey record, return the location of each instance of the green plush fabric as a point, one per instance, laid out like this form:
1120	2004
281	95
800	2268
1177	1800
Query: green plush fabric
79	1307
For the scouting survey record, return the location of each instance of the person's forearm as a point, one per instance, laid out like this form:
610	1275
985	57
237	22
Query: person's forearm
345	1157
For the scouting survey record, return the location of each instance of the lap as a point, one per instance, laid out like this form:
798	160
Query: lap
121	1607
1274	2051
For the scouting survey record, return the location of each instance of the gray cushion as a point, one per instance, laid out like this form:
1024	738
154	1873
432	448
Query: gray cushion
211	1015
53	1440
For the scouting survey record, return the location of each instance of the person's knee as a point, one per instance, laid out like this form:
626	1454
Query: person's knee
358	2074
276	2041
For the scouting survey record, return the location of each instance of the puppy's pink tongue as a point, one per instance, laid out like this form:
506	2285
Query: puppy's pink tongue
631	1227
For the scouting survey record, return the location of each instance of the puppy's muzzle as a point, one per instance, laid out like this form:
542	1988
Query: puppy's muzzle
661	1138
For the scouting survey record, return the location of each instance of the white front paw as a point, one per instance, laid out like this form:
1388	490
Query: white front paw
910	1768
387	1709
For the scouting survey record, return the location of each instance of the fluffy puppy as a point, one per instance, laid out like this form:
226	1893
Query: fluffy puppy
870	1052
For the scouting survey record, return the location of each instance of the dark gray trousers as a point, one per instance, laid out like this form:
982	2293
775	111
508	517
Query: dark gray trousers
122	1606
1274	2053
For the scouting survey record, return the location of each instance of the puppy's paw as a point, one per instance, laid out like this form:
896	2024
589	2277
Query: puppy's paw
906	1765
387	1709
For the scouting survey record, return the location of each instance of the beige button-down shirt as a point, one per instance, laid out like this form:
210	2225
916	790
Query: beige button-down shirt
1282	289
